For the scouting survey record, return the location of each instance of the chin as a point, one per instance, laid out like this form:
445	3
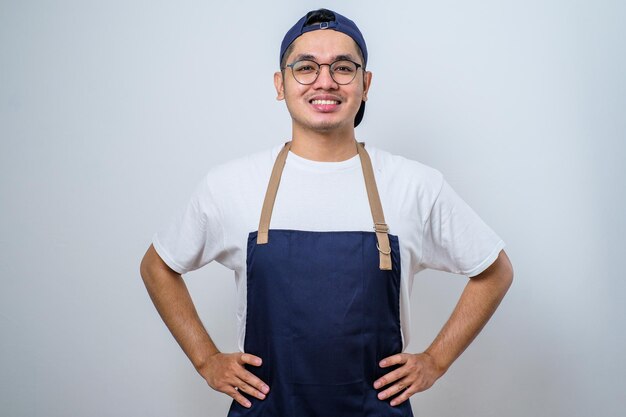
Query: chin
324	125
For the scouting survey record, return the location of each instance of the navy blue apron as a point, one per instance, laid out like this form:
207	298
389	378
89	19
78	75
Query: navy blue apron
322	311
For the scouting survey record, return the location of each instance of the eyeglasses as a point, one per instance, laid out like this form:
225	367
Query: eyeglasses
306	71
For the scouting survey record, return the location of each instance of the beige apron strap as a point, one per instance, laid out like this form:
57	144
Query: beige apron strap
380	227
376	207
270	194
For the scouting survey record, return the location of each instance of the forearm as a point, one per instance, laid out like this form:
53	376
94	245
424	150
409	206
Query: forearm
171	298
479	300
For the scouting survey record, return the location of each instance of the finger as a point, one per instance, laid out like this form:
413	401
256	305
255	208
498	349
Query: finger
242	386
250	359
393	360
403	397
256	383
239	398
393	390
391	377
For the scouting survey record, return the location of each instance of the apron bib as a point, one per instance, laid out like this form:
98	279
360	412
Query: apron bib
322	311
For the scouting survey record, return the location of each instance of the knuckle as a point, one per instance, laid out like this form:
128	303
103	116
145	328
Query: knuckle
249	377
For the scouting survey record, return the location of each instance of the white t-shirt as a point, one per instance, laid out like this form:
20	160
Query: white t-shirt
436	229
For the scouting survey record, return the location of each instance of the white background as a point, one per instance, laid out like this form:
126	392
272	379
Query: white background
111	112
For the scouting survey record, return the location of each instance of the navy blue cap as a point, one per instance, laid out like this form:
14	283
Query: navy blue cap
340	24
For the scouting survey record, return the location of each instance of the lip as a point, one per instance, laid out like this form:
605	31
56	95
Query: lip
325	107
325	97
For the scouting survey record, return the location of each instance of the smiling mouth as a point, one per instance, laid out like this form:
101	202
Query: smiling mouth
324	102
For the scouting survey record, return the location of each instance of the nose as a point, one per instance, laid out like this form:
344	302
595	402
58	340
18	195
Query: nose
324	79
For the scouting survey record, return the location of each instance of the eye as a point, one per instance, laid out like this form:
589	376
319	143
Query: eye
344	67
305	67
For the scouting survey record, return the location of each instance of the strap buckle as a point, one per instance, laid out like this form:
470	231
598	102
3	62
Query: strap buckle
382	251
381	228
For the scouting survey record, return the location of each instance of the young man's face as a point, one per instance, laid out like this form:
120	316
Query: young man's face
304	103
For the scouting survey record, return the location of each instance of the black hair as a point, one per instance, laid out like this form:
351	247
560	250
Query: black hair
312	18
319	16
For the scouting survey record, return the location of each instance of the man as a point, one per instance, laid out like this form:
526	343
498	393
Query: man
323	305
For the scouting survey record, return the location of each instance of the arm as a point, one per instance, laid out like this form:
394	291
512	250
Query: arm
418	372
223	372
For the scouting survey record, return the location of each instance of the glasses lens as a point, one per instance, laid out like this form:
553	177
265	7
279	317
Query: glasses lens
343	71
305	72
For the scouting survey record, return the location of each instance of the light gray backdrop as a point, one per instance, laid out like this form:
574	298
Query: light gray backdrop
111	112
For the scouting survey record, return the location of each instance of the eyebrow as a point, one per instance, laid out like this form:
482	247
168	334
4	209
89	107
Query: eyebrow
310	57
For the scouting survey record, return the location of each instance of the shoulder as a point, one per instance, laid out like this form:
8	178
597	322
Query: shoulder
404	172
247	169
240	167
236	182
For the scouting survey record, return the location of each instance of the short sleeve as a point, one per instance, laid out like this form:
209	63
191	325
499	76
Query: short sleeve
456	240
194	236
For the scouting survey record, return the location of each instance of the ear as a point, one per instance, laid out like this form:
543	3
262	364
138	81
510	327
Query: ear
367	80
279	84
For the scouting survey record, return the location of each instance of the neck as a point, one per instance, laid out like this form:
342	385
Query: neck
334	146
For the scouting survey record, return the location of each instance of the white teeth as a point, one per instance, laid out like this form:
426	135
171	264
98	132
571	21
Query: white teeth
325	102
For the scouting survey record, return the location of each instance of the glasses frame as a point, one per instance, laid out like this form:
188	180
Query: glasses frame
332	75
